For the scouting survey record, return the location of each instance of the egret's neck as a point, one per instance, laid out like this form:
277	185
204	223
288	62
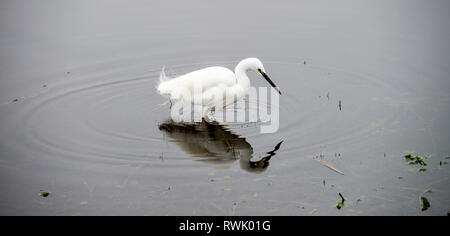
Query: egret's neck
241	75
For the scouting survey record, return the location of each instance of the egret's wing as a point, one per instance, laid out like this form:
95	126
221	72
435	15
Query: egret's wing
210	77
202	84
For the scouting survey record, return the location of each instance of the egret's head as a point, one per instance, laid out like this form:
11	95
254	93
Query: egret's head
256	65
253	64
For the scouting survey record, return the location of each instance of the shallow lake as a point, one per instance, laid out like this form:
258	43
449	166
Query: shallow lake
364	83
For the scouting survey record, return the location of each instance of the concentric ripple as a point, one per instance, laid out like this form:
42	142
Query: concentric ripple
114	116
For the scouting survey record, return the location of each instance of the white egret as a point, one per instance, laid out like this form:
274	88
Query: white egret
213	86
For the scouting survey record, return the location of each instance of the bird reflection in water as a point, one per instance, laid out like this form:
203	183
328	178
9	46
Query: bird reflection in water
213	143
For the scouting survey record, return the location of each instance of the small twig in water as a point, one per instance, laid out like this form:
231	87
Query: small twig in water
343	199
329	166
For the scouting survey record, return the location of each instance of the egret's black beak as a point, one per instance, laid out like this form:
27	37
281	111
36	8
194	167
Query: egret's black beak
269	80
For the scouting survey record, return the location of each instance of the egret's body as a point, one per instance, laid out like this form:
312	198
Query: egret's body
212	86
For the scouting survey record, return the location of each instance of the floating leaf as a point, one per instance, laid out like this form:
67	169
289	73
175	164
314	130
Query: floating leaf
425	203
408	157
45	194
339	205
413	160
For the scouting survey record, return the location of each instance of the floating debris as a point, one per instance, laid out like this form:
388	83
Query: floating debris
342	197
425	203
339	205
414	160
329	166
304	62
45	194
15	100
340	105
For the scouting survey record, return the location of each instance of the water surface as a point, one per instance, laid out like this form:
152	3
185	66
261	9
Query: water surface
80	117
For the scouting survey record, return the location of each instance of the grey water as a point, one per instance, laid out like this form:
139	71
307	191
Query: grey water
364	83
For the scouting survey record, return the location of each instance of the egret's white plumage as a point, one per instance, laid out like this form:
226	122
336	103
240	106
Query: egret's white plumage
212	86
